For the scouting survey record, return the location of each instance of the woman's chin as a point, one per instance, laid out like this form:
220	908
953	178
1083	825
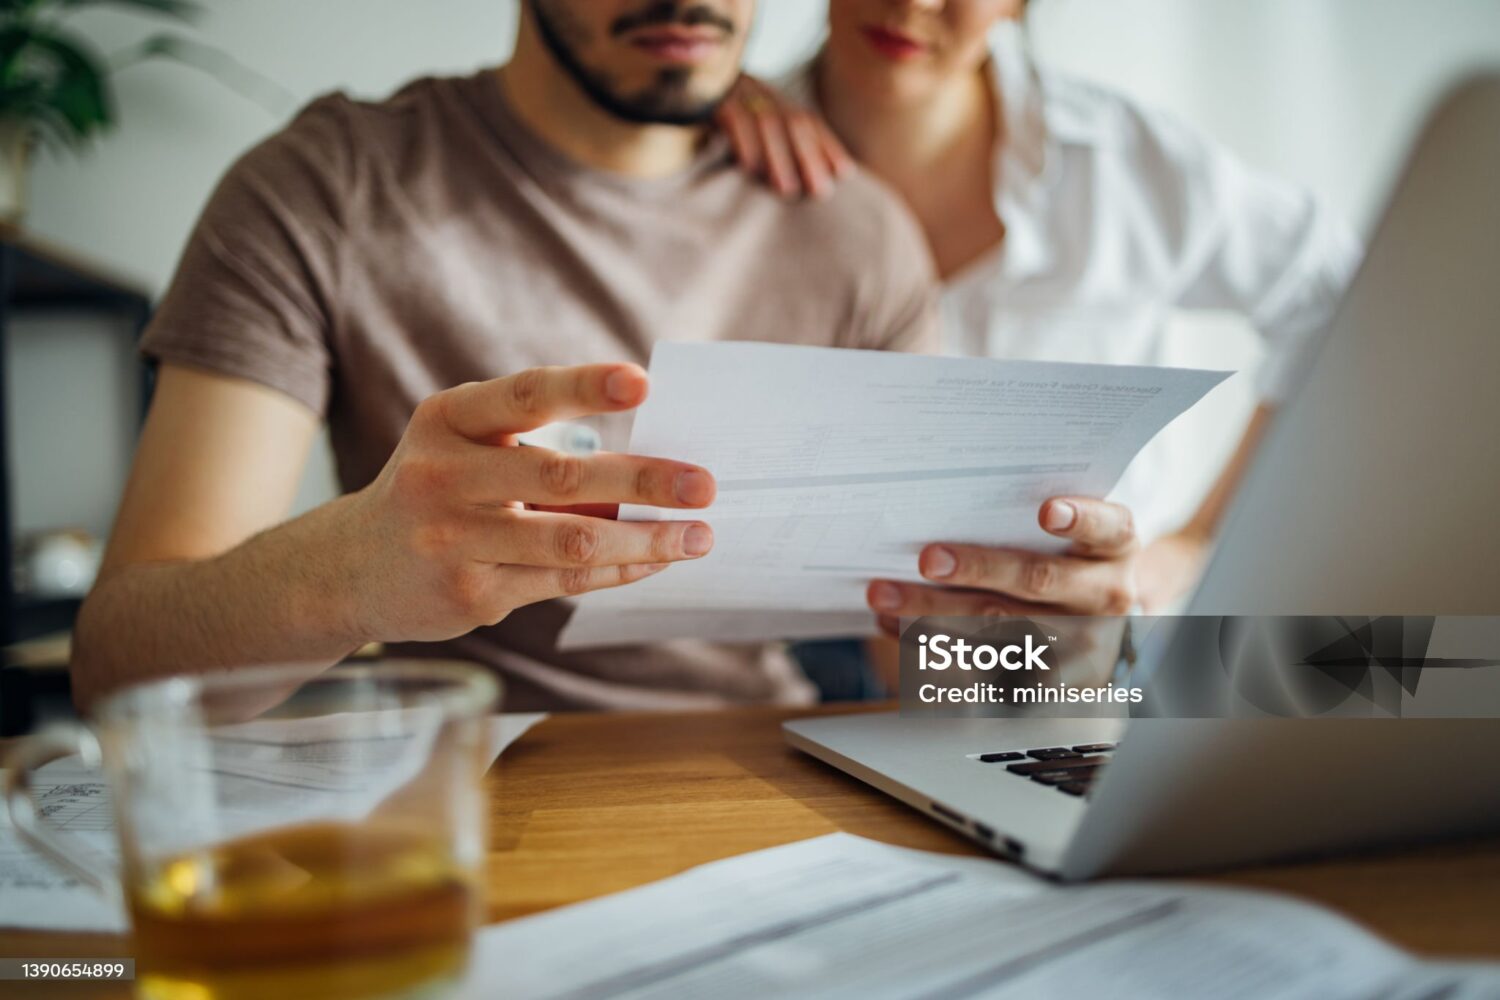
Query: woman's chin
897	85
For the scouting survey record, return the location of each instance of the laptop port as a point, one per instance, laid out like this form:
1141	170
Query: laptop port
1014	847
983	830
949	814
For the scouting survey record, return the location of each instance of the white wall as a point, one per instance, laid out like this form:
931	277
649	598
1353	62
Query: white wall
131	200
1327	92
1324	91
72	401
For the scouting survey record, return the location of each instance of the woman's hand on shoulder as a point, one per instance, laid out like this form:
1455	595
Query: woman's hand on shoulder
778	140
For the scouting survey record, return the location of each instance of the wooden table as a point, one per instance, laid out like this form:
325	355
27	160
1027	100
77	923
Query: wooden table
590	804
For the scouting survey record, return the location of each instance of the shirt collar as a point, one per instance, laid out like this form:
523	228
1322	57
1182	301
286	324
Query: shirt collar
1026	146
1028	158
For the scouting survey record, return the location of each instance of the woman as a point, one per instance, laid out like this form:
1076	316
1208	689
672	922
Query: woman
1067	224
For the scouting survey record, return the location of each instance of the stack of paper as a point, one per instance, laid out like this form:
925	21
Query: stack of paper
836	467
839	916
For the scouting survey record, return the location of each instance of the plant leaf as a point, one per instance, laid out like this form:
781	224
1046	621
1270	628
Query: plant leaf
253	86
54	131
71	78
13	42
18	8
183	10
17	99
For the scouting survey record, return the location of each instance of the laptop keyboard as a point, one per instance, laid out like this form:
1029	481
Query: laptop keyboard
1070	770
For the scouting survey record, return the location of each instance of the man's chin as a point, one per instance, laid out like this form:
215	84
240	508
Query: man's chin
663	106
683	115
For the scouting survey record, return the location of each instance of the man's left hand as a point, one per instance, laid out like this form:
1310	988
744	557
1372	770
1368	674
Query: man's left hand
1095	576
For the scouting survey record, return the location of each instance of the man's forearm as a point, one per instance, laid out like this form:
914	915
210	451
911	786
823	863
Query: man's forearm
282	596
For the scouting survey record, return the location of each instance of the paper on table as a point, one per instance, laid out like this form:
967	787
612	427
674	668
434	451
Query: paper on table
839	916
35	894
506	729
836	466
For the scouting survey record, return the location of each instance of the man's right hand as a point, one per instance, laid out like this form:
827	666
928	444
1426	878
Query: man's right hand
450	536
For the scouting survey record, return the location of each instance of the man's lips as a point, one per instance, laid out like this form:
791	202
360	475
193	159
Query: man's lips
678	44
893	44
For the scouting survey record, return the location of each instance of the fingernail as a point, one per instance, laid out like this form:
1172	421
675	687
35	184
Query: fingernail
1060	516
939	563
697	540
621	386
694	488
885	597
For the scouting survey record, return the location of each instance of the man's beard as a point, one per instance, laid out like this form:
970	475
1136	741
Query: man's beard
667	101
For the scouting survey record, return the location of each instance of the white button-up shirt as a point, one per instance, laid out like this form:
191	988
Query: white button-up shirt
1116	218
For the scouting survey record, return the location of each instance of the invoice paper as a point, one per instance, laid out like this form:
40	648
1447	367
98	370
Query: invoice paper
840	916
837	466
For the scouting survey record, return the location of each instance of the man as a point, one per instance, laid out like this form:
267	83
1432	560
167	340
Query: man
413	270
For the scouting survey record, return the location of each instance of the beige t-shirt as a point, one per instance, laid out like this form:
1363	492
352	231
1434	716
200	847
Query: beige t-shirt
372	254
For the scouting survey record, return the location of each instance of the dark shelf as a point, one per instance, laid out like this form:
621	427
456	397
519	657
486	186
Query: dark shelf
34	616
36	277
45	277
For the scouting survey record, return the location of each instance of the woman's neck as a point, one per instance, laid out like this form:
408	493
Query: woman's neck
951	134
903	140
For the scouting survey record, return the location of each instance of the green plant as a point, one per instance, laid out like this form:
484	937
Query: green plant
55	85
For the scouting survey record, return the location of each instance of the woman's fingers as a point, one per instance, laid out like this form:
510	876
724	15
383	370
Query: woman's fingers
738	123
775	138
812	159
839	159
776	148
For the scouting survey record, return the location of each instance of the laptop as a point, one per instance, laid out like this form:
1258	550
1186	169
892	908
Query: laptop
1377	492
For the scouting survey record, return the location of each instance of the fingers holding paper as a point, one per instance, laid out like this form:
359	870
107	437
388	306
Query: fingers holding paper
1095	576
463	526
550	479
488	412
1099	529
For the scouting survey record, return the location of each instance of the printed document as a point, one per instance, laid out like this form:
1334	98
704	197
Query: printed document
840	916
837	466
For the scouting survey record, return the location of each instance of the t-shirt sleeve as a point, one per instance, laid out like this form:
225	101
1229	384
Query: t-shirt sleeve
897	308
256	291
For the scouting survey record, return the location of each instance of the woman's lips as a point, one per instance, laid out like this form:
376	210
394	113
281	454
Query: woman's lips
683	46
893	44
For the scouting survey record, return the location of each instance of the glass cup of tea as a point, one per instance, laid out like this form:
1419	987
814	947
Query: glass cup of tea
281	833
